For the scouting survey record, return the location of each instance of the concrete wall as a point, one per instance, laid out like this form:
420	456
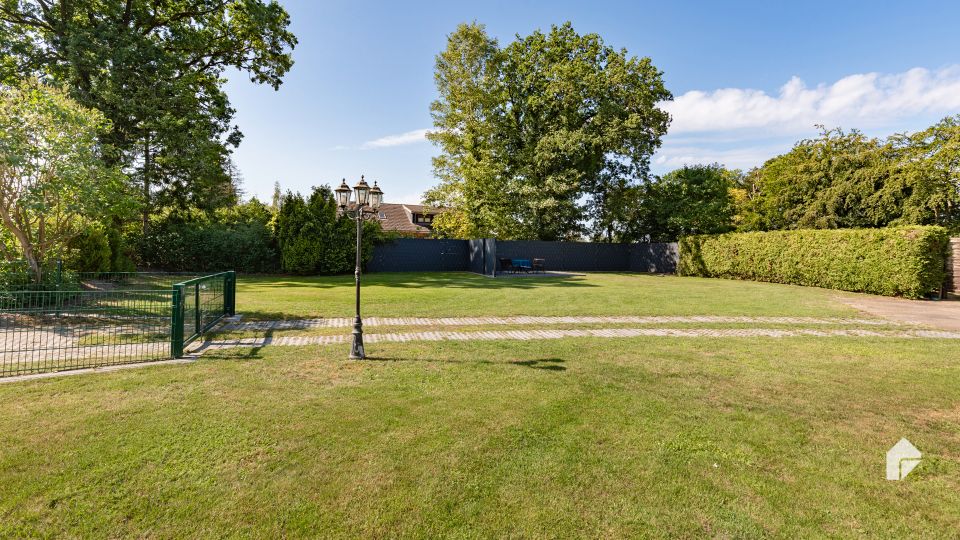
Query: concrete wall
481	256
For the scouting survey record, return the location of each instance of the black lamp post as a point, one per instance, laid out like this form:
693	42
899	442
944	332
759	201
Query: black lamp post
367	200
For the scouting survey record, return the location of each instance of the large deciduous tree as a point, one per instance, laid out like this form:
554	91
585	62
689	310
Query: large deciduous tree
156	71
541	138
926	177
52	177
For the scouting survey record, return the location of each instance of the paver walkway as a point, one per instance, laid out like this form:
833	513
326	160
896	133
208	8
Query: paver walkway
558	334
344	322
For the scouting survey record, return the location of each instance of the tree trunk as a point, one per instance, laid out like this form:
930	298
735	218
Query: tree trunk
25	244
147	171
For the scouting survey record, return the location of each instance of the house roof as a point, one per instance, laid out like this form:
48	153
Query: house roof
421	209
399	217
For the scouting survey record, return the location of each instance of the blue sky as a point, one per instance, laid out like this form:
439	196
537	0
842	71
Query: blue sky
749	79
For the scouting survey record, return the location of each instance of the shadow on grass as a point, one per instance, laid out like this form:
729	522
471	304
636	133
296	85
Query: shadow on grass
239	352
420	280
547	364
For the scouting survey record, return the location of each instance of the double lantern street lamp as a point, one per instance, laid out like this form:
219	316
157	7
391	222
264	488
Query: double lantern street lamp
366	201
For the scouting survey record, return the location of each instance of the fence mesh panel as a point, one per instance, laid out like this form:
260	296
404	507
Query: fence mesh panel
58	330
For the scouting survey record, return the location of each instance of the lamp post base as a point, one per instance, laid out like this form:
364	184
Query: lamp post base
356	349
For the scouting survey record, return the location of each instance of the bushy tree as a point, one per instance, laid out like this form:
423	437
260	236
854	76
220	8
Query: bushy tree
925	182
831	181
695	199
156	71
53	181
538	138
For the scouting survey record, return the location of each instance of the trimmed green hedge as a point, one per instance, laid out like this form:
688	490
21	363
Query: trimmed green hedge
896	261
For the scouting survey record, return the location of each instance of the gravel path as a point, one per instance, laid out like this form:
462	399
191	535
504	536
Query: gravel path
942	314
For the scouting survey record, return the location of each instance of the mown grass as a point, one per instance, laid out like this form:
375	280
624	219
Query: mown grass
690	437
455	294
574	437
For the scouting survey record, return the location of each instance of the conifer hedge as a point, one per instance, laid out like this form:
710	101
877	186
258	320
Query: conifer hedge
895	261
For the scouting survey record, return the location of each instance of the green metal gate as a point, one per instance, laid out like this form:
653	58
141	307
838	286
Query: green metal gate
197	305
116	319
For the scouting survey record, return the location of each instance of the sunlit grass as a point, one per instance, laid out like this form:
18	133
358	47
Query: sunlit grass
592	437
455	294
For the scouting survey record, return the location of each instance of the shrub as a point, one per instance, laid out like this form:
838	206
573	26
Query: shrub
313	239
238	238
89	251
208	247
121	254
898	261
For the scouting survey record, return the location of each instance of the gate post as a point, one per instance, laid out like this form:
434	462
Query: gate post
197	312
230	294
176	322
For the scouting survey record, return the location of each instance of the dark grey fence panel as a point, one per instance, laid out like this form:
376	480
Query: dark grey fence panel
952	283
575	256
490	256
476	248
420	255
481	256
660	258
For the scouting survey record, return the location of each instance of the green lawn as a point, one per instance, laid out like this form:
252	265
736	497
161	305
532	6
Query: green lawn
464	294
736	437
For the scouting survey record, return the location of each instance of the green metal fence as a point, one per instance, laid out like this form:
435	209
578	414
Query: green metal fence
42	331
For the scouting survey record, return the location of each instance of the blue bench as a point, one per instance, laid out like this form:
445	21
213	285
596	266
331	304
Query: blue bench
523	265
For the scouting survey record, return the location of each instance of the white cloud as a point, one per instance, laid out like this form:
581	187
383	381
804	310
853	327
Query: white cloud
860	100
410	137
672	156
742	127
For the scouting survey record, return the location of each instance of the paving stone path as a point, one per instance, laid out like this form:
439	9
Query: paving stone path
558	334
344	322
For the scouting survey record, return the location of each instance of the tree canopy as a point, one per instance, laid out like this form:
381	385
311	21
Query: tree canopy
53	182
538	139
848	180
155	70
694	199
